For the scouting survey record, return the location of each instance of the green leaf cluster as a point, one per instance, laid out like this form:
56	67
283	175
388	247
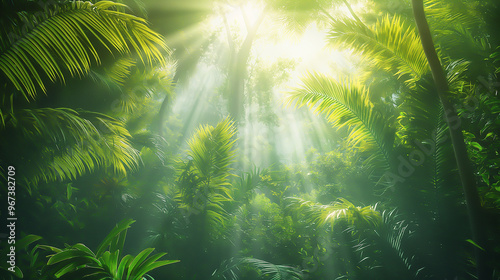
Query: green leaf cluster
79	262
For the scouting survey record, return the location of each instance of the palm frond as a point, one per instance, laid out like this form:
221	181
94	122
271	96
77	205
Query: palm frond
346	104
143	85
391	245
341	210
134	89
421	111
231	270
203	182
474	46
63	39
451	14
273	271
116	74
73	143
422	127
390	44
395	234
211	150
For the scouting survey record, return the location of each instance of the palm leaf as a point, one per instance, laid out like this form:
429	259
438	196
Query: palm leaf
346	104
422	128
203	180
273	271
211	153
94	140
116	74
390	44
452	14
341	210
231	269
211	149
61	40
385	249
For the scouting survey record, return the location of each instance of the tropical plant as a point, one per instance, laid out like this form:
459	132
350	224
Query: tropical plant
390	44
25	258
89	140
204	192
341	210
346	103
203	180
54	43
394	46
234	268
60	40
388	251
464	165
79	262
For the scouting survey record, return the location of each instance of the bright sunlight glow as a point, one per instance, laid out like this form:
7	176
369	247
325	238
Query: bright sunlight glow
298	131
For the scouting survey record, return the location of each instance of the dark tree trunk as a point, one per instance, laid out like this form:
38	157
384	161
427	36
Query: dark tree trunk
460	150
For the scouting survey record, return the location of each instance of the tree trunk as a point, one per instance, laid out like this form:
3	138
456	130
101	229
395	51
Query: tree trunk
238	75
460	150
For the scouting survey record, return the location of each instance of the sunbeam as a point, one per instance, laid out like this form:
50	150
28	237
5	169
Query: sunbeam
250	139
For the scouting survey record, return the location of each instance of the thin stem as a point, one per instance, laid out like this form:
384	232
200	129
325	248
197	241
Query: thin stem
352	12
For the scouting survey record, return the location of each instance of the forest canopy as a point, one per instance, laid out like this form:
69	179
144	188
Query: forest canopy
250	139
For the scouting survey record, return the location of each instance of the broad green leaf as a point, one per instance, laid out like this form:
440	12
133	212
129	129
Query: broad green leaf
135	264
123	225
154	266
24	242
69	254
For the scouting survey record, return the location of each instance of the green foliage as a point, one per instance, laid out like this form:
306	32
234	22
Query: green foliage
390	44
496	59
230	270
25	258
60	39
68	39
78	261
341	210
203	179
76	142
481	139
263	229
346	103
387	251
108	158
135	89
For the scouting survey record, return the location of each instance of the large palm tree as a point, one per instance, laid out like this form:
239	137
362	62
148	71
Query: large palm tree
464	165
393	45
